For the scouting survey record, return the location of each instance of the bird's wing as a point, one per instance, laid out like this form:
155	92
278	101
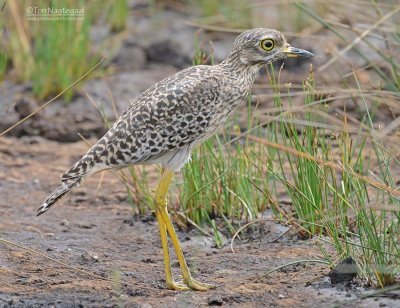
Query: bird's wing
170	115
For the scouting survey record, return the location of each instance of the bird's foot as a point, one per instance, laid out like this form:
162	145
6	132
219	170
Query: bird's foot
195	285
189	284
180	285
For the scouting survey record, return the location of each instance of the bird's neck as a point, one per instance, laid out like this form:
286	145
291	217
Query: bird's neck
235	68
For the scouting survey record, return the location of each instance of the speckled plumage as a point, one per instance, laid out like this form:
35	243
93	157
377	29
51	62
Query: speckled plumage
166	121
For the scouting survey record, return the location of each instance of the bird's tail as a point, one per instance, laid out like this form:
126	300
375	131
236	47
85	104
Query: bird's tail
65	186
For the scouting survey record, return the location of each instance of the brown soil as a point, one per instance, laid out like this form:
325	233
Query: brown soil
94	230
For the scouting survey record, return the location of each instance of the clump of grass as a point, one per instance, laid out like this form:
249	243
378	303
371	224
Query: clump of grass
118	15
361	221
56	70
4	60
339	205
4	57
52	53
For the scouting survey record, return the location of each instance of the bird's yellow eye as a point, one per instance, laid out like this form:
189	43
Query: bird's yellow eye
267	44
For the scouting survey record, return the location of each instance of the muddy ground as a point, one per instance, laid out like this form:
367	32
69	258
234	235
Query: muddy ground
94	229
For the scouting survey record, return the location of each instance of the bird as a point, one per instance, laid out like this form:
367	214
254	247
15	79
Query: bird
165	122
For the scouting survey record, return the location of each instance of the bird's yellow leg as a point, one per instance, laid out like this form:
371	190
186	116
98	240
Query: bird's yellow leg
171	284
165	223
160	201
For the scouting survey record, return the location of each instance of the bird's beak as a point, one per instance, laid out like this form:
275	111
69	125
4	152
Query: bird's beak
296	52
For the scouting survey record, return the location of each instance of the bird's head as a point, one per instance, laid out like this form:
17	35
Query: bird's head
262	46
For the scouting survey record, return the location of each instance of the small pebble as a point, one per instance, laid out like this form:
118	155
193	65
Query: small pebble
215	300
64	222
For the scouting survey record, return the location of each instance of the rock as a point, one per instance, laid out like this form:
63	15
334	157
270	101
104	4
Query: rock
167	52
86	258
64	222
215	300
345	271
